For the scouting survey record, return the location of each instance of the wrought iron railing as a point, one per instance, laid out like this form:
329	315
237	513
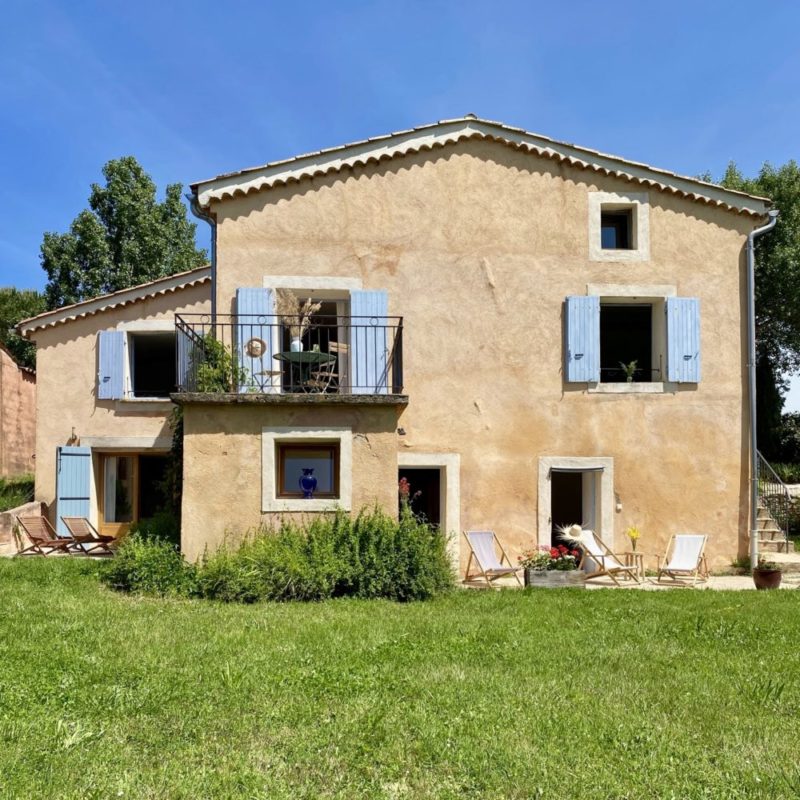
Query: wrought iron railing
774	495
268	354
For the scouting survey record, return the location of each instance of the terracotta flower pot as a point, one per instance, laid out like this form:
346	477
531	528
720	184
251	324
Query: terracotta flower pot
767	578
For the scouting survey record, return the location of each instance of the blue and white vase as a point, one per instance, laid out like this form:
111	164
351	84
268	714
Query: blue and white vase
308	483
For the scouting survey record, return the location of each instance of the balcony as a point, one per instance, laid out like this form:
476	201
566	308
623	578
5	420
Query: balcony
263	357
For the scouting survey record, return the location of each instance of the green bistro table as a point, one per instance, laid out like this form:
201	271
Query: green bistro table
301	365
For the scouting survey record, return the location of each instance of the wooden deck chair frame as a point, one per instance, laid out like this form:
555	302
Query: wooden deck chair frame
84	533
40	544
603	569
700	570
491	574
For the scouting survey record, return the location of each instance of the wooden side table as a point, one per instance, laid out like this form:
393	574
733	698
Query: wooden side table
635	560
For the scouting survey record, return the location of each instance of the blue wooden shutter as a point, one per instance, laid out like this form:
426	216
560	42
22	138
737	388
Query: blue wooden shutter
255	308
111	362
583	339
73	484
370	357
683	339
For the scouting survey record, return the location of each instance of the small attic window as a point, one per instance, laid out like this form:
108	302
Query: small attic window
616	229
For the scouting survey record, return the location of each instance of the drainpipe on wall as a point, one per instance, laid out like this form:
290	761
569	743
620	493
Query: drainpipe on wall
206	217
751	375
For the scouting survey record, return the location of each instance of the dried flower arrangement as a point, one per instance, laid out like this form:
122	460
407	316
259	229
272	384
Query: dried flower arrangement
288	305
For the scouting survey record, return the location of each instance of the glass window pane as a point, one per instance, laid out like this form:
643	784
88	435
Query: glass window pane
609	237
295	460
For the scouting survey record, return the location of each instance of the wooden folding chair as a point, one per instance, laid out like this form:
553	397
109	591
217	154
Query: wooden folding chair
87	535
43	538
481	546
685	557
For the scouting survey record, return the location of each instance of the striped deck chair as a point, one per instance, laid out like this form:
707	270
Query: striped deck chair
481	547
685	557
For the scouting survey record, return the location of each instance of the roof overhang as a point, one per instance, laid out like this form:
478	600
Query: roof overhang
441	134
86	308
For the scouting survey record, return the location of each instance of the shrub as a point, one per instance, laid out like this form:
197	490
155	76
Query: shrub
163	526
788	473
15	492
149	565
332	556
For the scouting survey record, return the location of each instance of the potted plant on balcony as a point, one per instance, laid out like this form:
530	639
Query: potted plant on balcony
552	567
296	317
766	574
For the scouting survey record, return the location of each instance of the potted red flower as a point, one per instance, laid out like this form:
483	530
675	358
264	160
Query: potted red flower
552	567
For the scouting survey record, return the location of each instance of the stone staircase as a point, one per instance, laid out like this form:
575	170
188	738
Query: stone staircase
771	538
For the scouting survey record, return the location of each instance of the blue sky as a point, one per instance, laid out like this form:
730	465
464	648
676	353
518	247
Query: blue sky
193	89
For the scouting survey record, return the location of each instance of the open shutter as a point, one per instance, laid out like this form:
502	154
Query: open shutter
255	310
73	484
683	339
583	339
110	359
370	356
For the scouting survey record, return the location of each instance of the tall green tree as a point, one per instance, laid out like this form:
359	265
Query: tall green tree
16	305
777	292
124	238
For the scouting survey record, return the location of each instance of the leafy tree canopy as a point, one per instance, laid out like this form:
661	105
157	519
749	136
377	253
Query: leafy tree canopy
777	263
16	305
777	292
124	238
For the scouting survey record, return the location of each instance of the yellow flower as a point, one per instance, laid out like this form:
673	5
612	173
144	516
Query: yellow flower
633	533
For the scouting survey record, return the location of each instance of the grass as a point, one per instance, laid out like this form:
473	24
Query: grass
15	491
551	694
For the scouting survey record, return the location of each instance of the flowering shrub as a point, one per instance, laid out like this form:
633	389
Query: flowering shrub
548	558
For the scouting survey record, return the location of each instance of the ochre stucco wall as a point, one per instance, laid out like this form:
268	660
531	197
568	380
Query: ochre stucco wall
222	458
67	366
17	417
478	245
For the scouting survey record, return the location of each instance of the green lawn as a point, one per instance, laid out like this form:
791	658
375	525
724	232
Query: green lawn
481	694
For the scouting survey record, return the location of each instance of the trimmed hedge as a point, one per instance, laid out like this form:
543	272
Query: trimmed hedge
370	556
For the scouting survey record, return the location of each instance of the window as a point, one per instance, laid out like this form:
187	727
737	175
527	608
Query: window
294	460
619	226
152	364
631	338
626	343
287	451
615	230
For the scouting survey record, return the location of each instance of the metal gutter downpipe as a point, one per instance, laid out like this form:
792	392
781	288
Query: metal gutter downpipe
751	375
198	212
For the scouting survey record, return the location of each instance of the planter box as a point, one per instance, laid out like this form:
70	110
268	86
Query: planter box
555	579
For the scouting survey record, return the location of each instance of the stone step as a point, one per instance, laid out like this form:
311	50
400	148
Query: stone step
768	525
789	563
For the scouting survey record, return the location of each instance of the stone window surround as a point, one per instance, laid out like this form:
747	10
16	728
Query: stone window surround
143	326
270	502
604	500
639	204
633	292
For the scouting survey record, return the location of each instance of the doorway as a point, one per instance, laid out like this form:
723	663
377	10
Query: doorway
425	493
566	505
130	489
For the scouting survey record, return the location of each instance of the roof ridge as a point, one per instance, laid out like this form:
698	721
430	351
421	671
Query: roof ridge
542	145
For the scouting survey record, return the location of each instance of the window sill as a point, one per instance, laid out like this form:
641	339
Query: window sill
299	504
163	400
627	388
